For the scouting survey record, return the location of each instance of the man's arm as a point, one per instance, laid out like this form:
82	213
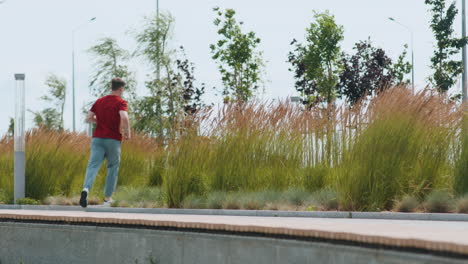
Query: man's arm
125	124
91	117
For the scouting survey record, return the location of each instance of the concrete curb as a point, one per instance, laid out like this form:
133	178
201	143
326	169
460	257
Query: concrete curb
438	237
263	213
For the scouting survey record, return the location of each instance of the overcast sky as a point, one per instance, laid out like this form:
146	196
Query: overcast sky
36	38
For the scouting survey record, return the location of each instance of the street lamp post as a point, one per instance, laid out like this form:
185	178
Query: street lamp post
73	68
158	70
412	50
19	139
465	72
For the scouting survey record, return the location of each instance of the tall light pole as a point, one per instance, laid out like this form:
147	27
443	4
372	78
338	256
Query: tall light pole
158	67
412	49
73	67
19	138
465	72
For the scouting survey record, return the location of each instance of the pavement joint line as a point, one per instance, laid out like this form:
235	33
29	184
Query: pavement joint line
262	213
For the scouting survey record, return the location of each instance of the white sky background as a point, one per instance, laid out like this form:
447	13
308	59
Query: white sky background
36	39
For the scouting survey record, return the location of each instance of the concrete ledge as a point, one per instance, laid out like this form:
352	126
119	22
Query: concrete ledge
66	244
263	213
430	236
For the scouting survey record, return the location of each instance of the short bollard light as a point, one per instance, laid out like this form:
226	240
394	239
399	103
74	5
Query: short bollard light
19	137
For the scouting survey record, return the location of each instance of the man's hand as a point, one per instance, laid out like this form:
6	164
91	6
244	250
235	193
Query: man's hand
91	117
125	124
127	136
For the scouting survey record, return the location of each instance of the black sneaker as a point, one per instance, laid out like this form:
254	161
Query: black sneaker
84	199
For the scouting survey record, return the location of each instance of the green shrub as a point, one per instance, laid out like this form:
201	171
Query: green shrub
439	201
136	157
252	201
4	197
295	197
138	196
315	178
462	205
271	155
185	173
6	170
194	202
232	201
407	204
403	150
461	165
325	199
215	200
157	166
28	201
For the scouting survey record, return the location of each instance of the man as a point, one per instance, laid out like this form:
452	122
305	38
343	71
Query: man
110	115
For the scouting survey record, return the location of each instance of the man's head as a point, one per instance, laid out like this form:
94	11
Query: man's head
117	86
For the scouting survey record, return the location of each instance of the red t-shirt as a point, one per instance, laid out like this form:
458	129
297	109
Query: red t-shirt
107	114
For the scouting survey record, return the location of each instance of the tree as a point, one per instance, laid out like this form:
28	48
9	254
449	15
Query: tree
239	63
11	128
52	116
153	43
191	94
317	63
369	71
172	89
109	62
446	70
307	88
401	68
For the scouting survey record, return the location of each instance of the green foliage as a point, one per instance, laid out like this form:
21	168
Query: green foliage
153	46
11	127
315	177
157	166
194	202
4	197
54	163
126	196
403	150
27	201
6	170
317	63
296	197
407	204
325	199
439	201
215	200
323	50
109	62
52	117
274	156
461	166
401	68
446	70
48	118
232	201
369	71
185	172
462	205
173	92
235	52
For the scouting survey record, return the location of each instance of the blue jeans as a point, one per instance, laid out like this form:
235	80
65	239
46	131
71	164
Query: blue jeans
110	150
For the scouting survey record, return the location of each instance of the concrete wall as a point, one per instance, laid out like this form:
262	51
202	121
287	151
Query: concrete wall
62	244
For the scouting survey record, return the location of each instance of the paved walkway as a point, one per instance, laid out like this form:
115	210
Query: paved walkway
429	235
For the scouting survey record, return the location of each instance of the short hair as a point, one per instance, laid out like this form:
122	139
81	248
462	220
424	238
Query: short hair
117	83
